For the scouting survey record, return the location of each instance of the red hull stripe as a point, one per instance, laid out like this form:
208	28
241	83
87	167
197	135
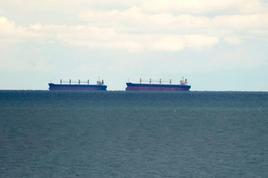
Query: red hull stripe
155	89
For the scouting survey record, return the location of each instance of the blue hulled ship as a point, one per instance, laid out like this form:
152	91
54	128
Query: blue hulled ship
79	86
161	86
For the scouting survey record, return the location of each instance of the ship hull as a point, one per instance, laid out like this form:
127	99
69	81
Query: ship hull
156	87
76	87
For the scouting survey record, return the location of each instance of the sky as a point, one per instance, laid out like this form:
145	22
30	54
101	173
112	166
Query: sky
218	45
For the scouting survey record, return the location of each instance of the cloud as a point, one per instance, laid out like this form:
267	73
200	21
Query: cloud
228	28
178	6
103	37
134	19
146	25
204	6
8	29
242	23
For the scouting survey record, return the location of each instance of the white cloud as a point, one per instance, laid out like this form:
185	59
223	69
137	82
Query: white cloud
242	23
146	25
97	37
230	28
204	6
135	19
178	6
92	37
8	29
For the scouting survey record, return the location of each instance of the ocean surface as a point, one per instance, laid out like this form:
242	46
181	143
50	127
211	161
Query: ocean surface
133	135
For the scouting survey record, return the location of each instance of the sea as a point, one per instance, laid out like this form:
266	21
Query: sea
133	134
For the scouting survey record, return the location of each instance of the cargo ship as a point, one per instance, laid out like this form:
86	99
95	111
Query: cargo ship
161	86
77	86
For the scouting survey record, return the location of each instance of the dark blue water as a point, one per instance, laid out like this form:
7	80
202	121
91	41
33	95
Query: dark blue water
119	134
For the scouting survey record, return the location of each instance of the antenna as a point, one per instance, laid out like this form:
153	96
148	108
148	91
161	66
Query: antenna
140	80
70	81
160	81
150	80
88	82
79	81
60	81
